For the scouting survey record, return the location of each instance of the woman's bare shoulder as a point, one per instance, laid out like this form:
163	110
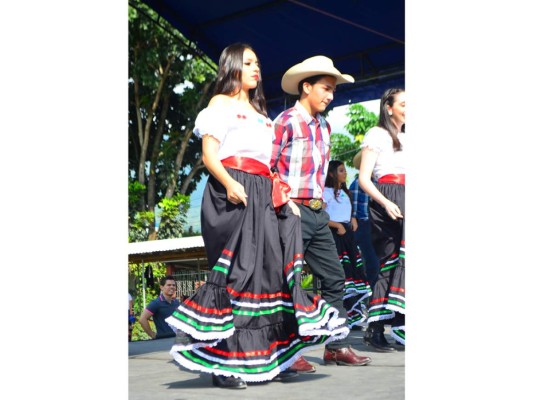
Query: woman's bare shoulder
219	100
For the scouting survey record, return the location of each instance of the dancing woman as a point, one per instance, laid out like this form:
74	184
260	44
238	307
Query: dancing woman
383	157
251	319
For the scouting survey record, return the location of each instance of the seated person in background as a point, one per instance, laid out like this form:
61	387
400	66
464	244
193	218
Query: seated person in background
159	309
131	316
343	224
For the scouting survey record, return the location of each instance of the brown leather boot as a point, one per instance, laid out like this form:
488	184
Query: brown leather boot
302	365
344	356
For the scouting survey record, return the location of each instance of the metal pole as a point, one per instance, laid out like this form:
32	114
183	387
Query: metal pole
144	288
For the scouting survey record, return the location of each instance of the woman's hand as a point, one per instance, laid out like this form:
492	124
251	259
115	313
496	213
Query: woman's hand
353	223
235	192
393	210
341	230
294	208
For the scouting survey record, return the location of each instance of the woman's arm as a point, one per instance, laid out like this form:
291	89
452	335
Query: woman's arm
337	225
235	191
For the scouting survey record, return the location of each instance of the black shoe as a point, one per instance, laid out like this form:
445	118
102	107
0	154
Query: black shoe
285	376
228	382
377	340
399	343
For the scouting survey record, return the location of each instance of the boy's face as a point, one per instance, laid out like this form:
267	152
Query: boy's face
320	94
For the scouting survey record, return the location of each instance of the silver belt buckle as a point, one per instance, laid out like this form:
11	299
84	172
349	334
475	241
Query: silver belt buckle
315	204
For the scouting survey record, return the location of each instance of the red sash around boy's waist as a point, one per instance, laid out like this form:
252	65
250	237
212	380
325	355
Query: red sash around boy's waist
280	189
393	178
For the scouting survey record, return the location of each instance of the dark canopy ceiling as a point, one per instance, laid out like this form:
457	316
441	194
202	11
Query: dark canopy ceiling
365	38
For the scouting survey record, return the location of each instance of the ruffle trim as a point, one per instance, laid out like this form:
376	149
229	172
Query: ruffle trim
354	292
330	320
213	337
377	318
395	308
374	148
260	377
398	333
333	334
330	326
352	295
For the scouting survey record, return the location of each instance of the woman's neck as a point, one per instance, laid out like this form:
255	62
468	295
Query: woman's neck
398	125
242	95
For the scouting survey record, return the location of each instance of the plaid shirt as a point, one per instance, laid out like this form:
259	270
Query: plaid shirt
359	200
300	151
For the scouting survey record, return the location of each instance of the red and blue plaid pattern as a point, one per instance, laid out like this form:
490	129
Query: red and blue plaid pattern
300	151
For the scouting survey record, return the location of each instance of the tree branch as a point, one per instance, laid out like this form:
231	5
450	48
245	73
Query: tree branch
151	112
184	143
199	165
151	188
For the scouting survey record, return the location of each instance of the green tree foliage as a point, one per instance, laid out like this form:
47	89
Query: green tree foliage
140	226
169	82
173	219
344	147
136	191
151	292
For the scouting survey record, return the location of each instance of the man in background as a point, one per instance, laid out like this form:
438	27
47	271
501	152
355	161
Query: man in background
131	316
159	309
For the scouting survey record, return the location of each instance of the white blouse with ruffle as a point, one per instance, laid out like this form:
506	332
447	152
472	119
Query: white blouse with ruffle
240	131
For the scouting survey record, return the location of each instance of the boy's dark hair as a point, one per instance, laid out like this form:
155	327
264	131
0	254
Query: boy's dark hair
311	80
164	279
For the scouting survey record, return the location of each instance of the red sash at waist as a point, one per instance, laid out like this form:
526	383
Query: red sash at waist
393	178
280	189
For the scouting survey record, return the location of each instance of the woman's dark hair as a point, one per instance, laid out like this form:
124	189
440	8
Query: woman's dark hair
385	120
332	180
230	75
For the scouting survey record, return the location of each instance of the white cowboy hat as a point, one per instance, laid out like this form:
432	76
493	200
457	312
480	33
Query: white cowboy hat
317	65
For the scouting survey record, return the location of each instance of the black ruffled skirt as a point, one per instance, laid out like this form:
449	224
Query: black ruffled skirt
251	319
388	298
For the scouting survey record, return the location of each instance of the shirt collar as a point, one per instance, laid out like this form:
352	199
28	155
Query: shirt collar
308	118
162	298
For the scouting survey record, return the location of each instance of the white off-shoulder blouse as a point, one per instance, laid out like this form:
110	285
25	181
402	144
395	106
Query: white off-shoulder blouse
240	131
388	161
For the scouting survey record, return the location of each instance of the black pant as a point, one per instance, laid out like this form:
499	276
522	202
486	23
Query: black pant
320	253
